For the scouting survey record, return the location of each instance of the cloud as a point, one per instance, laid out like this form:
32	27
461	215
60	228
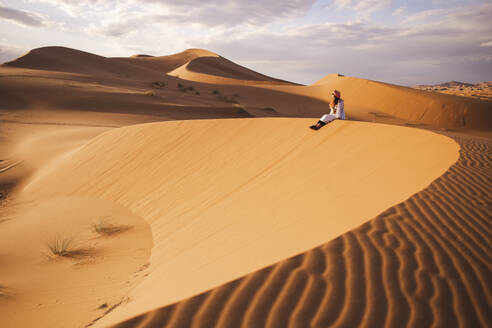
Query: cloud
217	13
400	11
436	50
21	17
287	40
367	6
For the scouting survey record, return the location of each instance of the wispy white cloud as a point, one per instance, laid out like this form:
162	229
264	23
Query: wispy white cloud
400	11
229	13
21	17
446	49
367	6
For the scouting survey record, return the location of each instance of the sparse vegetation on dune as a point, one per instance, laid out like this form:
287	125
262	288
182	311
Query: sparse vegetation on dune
185	89
4	293
106	228
226	98
65	247
240	110
159	84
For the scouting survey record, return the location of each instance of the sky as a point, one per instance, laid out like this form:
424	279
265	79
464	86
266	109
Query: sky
394	41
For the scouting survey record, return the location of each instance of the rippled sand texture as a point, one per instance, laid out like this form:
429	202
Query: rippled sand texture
425	262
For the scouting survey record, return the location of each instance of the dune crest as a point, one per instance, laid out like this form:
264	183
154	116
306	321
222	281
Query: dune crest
219	70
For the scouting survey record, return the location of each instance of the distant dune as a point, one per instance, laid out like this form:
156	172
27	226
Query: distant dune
216	69
482	90
410	104
257	94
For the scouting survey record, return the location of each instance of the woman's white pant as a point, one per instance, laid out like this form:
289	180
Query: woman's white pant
327	118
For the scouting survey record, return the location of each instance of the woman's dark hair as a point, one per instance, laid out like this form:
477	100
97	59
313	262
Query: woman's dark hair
335	101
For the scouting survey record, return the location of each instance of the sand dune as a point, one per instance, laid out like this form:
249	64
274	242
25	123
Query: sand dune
424	262
413	105
60	59
482	90
200	182
251	222
375	101
219	70
166	64
202	82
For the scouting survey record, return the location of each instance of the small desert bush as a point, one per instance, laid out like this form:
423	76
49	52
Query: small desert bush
227	99
105	228
4	293
240	109
159	84
65	247
184	88
216	92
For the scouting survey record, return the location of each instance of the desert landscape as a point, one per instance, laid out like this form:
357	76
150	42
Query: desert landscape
482	90
187	191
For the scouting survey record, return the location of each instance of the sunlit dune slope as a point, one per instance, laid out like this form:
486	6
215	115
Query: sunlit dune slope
380	102
365	96
227	197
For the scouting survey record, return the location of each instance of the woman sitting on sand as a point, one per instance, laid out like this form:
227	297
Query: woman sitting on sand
336	111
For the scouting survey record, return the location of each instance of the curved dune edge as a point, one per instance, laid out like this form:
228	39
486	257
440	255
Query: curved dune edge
218	70
424	262
227	197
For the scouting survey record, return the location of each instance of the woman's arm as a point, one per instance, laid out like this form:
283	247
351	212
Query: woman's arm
339	110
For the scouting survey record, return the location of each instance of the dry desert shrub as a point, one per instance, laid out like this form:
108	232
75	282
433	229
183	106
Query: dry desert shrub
185	89
65	247
105	228
240	109
159	84
4	293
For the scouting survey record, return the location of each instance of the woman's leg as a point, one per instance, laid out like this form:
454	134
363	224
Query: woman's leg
327	118
318	125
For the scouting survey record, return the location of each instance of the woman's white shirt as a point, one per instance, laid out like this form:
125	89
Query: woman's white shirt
340	114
